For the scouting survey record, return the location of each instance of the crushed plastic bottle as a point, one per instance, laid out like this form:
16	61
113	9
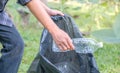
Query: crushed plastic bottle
82	45
86	45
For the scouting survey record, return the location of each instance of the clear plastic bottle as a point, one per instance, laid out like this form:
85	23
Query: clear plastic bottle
82	45
86	45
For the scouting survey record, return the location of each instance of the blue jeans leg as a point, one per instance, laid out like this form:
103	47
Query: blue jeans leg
12	50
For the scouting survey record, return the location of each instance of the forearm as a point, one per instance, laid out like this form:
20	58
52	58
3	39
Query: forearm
45	7
40	13
59	36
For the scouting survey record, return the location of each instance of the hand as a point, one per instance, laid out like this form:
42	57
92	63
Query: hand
41	12
62	40
52	12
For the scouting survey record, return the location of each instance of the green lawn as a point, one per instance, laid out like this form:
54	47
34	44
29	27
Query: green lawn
31	38
108	58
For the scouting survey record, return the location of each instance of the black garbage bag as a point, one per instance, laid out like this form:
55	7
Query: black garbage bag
48	61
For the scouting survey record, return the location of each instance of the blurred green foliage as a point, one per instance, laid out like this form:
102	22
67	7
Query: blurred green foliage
92	15
111	35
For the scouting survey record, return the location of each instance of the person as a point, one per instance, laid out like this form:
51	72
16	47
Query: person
12	42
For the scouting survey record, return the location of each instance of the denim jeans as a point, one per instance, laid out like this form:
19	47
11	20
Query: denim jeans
12	50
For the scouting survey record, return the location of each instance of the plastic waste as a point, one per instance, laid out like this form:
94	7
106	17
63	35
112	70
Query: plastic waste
82	45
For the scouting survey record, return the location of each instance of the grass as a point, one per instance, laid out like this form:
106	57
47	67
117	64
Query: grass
31	38
107	58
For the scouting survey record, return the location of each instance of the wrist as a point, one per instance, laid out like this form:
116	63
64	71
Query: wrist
53	29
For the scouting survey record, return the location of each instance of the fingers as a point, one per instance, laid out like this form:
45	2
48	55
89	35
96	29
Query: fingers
70	44
60	47
60	13
63	47
67	45
56	12
63	40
